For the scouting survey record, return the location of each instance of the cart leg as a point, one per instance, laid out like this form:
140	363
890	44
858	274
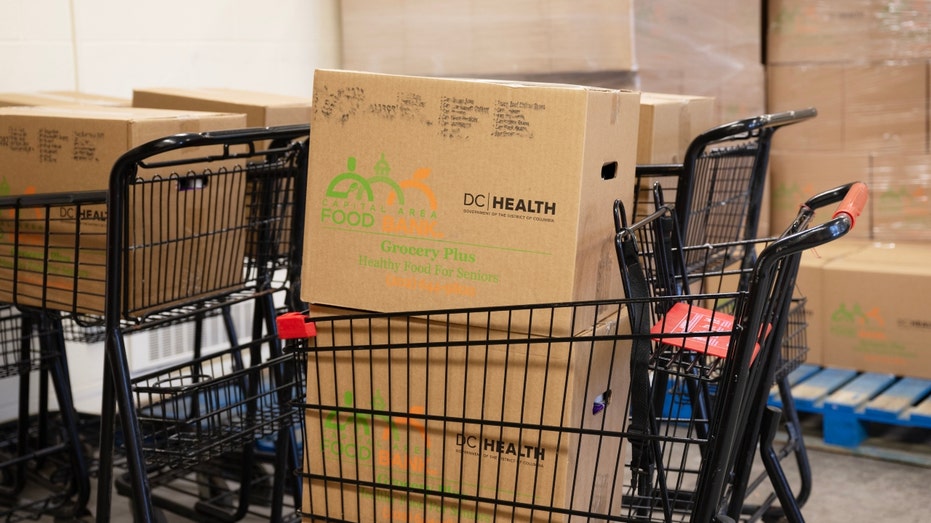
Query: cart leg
113	397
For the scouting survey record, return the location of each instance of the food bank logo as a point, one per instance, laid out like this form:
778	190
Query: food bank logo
378	202
852	320
903	201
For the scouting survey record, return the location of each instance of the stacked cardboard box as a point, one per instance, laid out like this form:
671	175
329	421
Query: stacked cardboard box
495	412
707	48
487	37
864	65
442	193
61	98
261	109
434	193
669	123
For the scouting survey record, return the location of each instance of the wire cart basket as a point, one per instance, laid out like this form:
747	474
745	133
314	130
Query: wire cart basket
717	193
672	475
191	226
198	223
527	412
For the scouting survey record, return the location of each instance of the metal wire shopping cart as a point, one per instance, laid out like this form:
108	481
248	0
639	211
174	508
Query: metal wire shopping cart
725	390
717	193
525	412
193	225
198	223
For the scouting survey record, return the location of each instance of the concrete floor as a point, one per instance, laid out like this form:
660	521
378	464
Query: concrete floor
886	479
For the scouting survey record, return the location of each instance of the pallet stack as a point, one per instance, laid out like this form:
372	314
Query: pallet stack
864	65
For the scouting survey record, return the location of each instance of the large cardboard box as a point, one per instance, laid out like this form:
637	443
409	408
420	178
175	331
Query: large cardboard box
440	193
69	149
810	284
61	98
846	31
487	37
876	310
738	89
796	176
862	106
673	34
497	421
900	185
261	109
669	123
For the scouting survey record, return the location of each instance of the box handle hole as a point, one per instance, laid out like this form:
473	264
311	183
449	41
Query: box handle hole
609	171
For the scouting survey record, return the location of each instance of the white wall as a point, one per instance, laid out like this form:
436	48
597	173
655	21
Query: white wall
109	47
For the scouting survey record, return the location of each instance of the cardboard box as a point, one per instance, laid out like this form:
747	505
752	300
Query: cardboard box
68	149
810	284
900	185
669	123
487	37
673	34
261	109
796	176
486	403
440	193
875	305
878	106
60	98
846	31
738	88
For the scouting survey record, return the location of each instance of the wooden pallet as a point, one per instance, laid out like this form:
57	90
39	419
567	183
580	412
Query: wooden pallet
848	401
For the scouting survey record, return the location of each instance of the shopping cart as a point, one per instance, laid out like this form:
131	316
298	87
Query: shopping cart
198	224
726	416
718	189
43	465
525	412
717	192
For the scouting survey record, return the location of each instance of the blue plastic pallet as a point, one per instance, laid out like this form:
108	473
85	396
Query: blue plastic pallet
848	400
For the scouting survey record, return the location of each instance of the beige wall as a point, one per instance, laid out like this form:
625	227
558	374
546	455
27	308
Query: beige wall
110	46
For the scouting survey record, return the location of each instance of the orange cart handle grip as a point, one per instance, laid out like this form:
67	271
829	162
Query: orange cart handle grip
854	202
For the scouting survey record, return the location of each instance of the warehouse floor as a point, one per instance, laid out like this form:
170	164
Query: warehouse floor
886	479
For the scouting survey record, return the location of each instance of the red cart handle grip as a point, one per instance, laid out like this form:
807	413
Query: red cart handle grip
294	326
853	202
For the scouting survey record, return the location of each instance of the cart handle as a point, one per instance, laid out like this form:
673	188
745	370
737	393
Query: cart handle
295	326
852	197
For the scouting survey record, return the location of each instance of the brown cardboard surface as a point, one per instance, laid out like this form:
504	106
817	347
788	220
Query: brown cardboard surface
68	149
669	123
439	193
862	107
876	310
60	98
796	176
738	89
673	34
487	37
846	31
900	186
512	389
810	284
261	109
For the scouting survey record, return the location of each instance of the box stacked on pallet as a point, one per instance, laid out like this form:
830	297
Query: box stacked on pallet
864	65
707	48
